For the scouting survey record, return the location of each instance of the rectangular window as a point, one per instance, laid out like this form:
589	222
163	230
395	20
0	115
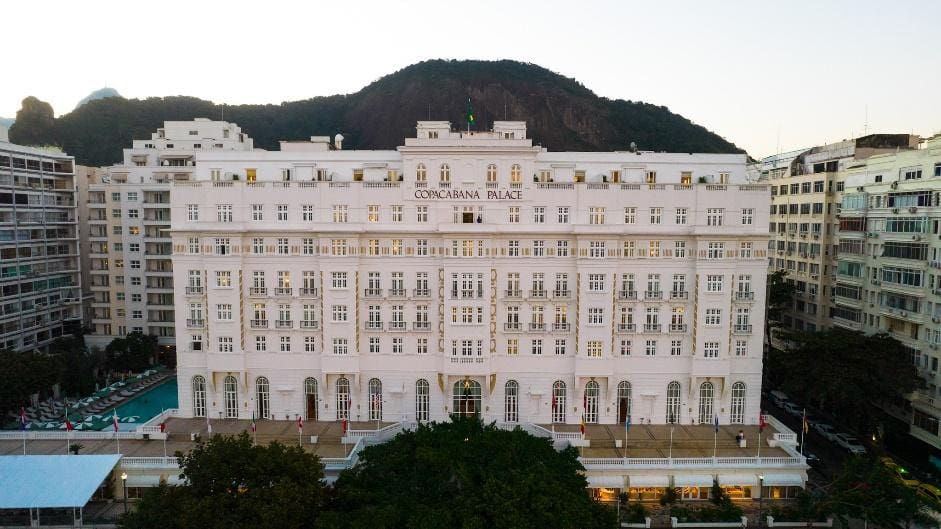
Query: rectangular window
562	249
421	214
713	317
630	215
563	215
713	283
341	213
656	214
514	217
539	215
192	212
258	212
372	213
714	216
596	215
711	349
594	348
397	213
748	216
676	347
651	348
307	213
741	348
225	344
224	213
625	348
597	249
282	212
715	250
340	346
339	313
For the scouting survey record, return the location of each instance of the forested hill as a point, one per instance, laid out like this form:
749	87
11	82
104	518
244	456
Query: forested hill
561	114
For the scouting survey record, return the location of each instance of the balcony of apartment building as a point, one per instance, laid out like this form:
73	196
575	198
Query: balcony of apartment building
562	294
847	317
156	199
97	265
310	325
283	291
161	266
158	216
623	328
159	300
97	216
561	326
627	295
158	250
157	232
98	249
99	281
161	316
679	295
97	198
98	232
308	292
101	298
161	283
101	313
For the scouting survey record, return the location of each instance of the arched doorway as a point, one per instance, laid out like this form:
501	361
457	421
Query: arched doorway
311	399
511	410
343	398
262	397
707	394
592	394
230	394
467	398
558	401
624	401
375	399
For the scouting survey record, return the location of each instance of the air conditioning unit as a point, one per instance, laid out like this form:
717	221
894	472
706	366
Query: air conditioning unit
816	236
936	320
894	185
916	237
860	188
815	277
895	210
903	313
933	346
913	209
936	292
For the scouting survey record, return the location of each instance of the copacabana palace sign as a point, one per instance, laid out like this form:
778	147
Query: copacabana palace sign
468	194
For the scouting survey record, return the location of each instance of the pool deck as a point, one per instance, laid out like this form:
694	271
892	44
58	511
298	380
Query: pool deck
653	441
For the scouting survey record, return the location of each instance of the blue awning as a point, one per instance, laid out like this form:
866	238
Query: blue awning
52	481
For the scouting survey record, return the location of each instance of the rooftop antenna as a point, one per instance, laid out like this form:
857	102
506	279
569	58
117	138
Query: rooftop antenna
866	121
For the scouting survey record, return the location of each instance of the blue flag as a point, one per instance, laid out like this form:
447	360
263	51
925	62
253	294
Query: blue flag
627	424
717	423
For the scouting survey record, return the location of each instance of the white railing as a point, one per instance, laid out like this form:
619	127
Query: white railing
608	463
374	436
149	462
343	463
783	433
63	434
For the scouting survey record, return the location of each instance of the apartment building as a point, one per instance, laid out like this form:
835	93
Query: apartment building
39	264
888	275
127	211
470	273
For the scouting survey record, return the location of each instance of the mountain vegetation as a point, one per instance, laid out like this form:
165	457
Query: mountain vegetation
561	113
101	93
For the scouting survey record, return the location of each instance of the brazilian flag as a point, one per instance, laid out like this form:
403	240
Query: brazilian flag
470	113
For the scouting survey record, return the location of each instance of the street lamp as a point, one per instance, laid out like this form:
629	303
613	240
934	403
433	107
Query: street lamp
124	482
761	486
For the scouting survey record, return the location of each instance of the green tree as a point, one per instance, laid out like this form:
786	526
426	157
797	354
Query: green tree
230	484
24	373
35	124
841	371
463	474
779	298
866	490
80	367
136	352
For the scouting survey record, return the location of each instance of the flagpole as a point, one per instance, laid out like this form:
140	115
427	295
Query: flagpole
671	443
803	427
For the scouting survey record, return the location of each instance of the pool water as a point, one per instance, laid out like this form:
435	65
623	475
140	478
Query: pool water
150	404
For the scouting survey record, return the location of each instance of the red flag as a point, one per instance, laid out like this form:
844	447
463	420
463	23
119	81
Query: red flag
300	424
68	423
761	422
582	425
345	426
115	420
163	427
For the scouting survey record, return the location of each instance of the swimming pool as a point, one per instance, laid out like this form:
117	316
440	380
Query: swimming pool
150	404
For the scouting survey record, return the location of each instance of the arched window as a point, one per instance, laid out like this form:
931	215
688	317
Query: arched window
421	174
738	403
511	405
230	394
624	401
199	396
467	398
592	393
707	393
422	390
673	402
262	399
491	173
311	398
558	401
445	172
343	398
375	399
516	173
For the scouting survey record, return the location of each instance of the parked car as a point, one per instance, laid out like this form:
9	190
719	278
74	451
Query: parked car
792	408
812	459
850	443
825	430
931	493
900	472
778	398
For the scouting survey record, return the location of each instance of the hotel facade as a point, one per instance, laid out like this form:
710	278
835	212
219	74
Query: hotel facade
471	273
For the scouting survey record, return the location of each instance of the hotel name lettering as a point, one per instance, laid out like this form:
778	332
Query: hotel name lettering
468	194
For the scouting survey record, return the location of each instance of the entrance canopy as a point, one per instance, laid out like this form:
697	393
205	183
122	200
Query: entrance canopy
52	481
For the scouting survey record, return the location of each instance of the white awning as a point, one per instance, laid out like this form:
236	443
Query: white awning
648	481
136	480
784	480
692	480
738	480
174	479
605	482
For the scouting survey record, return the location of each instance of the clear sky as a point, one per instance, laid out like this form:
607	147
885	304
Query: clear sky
766	76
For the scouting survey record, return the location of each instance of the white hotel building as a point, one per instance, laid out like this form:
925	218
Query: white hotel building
469	273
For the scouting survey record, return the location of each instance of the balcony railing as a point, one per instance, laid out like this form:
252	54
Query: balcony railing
195	324
421	326
513	293
653	294
561	327
537	326
511	326
744	296
259	324
192	291
308	292
652	327
397	292
283	291
626	327
373	325
679	294
742	329
310	324
537	294
284	324
677	327
372	293
421	293
257	291
627	294
561	294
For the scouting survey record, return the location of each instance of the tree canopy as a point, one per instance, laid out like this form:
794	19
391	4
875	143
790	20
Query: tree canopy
23	374
136	352
780	297
842	371
865	489
230	483
463	474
